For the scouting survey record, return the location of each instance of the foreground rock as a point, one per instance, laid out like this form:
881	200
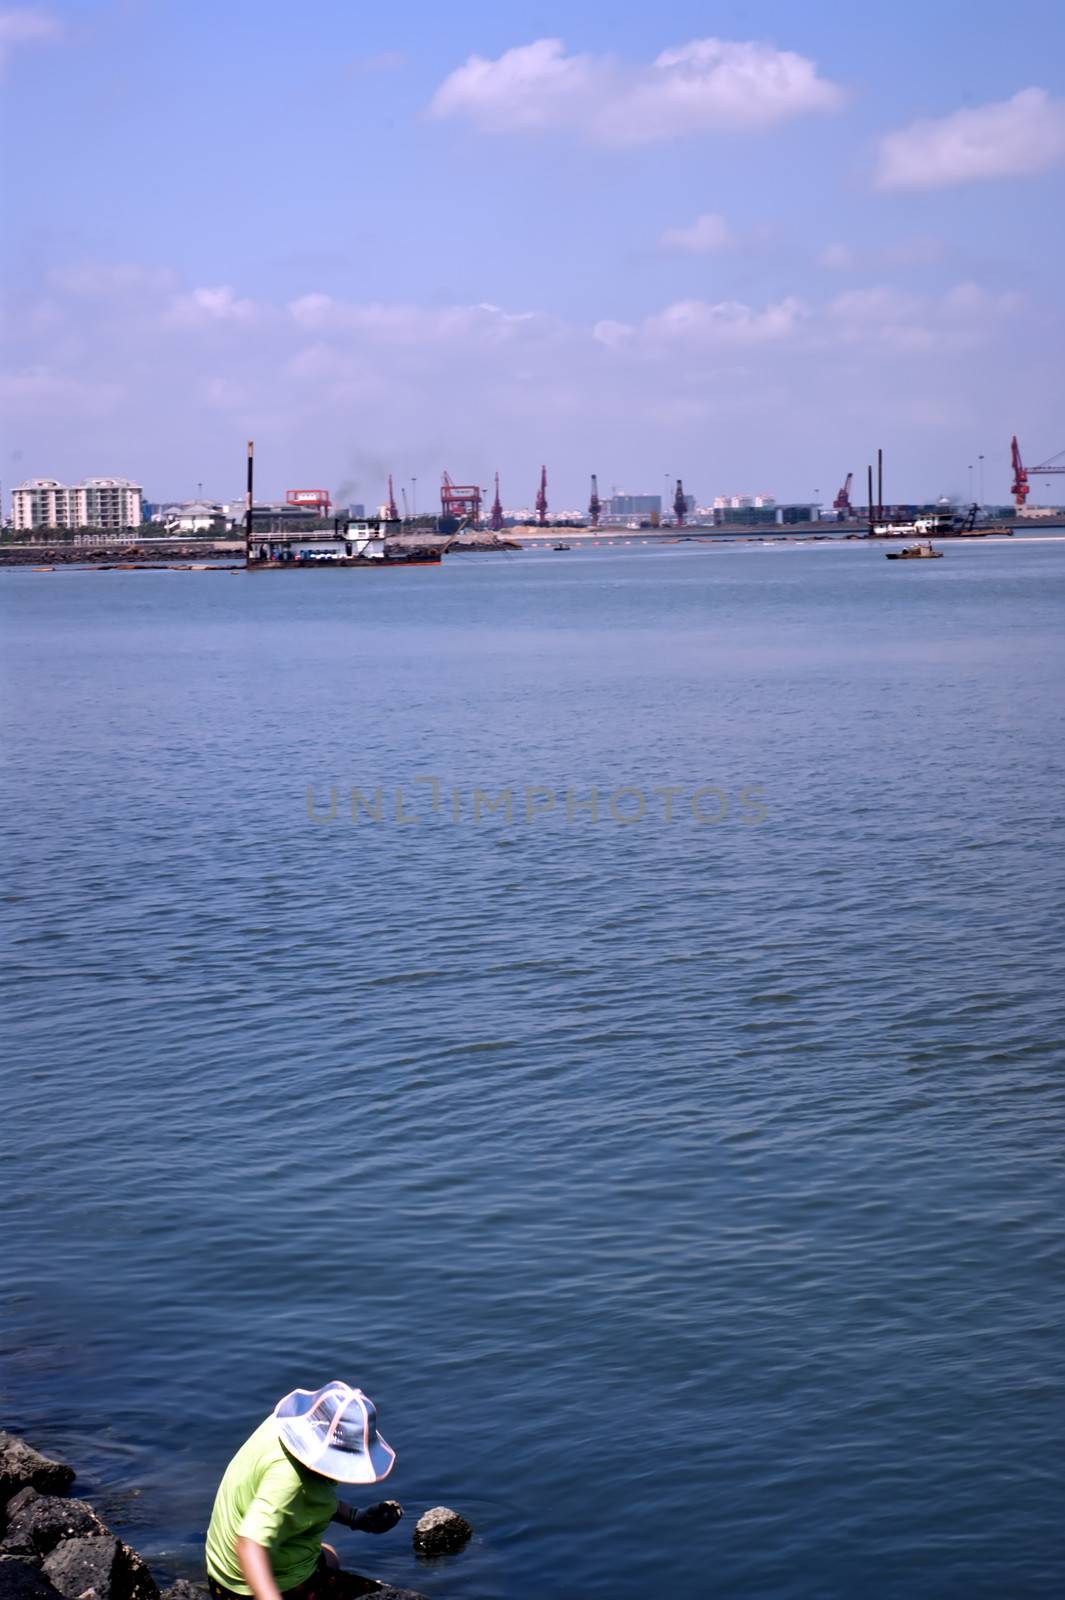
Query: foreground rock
106	1566
22	1467
20	1580
184	1590
355	1587
36	1523
440	1531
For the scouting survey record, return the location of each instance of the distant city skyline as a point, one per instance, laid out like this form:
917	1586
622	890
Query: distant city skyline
743	246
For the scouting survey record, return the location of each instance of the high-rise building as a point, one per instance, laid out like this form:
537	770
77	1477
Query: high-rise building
113	504
109	503
41	503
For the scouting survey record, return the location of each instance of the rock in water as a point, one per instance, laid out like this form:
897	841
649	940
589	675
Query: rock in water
440	1531
22	1466
19	1580
36	1523
106	1568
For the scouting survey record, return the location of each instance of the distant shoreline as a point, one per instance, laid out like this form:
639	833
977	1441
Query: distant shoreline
208	555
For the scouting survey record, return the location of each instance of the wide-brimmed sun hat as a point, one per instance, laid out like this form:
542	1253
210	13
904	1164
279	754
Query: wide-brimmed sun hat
333	1430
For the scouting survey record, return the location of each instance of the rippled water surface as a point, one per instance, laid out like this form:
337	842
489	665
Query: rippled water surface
687	1193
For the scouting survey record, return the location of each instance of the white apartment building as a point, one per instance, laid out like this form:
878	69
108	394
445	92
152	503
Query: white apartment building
107	503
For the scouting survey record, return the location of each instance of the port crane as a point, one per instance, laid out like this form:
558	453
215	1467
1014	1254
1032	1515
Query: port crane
497	510
541	498
842	502
393	514
595	504
680	503
1046	469
460	500
316	500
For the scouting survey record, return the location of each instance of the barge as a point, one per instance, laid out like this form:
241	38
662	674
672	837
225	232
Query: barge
356	544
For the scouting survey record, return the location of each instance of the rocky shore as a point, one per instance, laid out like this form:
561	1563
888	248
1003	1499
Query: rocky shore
101	555
55	1547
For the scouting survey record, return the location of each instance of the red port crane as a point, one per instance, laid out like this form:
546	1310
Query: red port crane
316	500
460	500
541	498
497	509
1019	486
594	505
842	502
1050	468
391	510
680	504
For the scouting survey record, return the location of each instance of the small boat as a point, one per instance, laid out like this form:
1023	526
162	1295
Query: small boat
560	547
915	552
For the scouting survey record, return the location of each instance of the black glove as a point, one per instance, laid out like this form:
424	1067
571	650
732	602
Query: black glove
378	1518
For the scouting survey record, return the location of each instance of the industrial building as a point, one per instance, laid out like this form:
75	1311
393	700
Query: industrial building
111	504
642	506
758	510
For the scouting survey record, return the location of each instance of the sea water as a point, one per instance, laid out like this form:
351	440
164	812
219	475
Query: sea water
678	1165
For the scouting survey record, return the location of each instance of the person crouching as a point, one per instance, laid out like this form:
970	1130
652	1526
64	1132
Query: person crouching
279	1494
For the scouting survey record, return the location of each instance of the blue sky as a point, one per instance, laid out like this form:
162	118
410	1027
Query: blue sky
743	243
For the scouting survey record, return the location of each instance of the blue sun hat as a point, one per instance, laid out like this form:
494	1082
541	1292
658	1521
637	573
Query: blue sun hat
333	1430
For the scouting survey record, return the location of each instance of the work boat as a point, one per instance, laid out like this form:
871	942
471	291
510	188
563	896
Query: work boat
935	524
915	552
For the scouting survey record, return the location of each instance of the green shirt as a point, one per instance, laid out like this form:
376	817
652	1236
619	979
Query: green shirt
269	1498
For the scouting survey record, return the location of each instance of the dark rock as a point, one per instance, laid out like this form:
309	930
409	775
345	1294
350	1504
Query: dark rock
353	1584
21	1465
37	1523
20	1580
99	1569
19	1502
185	1589
440	1531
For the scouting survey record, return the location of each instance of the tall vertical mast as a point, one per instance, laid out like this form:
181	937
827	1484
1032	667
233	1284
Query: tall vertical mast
248	502
594	504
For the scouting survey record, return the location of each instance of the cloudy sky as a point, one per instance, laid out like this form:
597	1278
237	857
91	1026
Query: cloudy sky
740	243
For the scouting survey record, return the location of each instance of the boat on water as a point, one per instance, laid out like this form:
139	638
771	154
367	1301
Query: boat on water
560	546
353	545
942	524
915	552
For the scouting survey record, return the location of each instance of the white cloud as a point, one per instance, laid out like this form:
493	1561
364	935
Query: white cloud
21	25
708	234
702	85
315	374
410	324
1005	139
203	308
613	334
532	86
958	319
726	322
900	252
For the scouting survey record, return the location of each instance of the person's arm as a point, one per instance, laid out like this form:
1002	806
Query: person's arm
254	1562
377	1518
